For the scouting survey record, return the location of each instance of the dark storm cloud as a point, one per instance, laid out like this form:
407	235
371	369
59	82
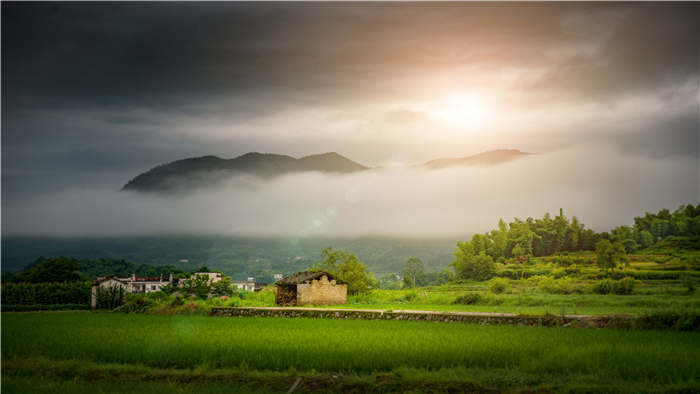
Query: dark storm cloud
95	93
654	46
163	55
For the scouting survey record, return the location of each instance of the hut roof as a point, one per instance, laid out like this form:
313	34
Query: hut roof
303	277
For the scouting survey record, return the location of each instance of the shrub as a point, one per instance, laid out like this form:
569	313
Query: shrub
362	298
547	284
498	285
39	307
689	284
177	301
135	304
677	320
468	299
110	298
624	286
46	293
604	286
410	296
568	286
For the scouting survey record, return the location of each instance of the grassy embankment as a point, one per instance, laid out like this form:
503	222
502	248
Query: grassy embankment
80	351
541	287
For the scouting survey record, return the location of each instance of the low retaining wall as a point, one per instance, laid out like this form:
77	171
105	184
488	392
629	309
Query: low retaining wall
460	317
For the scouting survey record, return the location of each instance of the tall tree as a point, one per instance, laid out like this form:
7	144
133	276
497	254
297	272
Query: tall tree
609	255
348	269
413	270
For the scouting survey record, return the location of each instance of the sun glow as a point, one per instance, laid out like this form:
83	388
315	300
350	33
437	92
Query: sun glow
461	110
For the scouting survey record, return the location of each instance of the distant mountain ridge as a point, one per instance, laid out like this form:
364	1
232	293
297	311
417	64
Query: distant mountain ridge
206	171
489	158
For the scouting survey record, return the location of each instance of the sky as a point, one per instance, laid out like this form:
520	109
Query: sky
605	94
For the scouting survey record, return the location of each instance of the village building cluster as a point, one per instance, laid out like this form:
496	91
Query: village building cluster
301	288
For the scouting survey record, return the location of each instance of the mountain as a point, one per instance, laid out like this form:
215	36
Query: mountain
209	170
490	158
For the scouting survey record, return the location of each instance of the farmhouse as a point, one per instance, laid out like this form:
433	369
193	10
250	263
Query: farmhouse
132	284
212	277
310	287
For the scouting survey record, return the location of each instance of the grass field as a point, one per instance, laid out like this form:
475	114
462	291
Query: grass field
496	357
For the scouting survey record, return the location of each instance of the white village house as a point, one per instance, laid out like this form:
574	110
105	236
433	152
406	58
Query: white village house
132	284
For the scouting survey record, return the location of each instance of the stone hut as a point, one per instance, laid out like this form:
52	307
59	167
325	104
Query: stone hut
310	287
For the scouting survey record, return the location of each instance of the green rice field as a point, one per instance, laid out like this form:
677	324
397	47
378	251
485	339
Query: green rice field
496	357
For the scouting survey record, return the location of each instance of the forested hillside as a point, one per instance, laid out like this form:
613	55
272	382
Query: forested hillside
547	236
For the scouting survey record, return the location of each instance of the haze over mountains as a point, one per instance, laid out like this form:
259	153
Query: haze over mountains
490	158
208	171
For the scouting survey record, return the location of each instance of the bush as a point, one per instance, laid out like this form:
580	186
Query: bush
135	304
177	301
547	284
689	284
498	285
46	293
468	299
110	298
681	321
39	307
604	286
362	298
410	296
624	286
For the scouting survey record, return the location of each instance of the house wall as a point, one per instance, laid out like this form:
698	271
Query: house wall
111	282
322	292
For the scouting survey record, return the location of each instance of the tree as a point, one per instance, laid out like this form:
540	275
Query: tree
222	287
470	266
518	251
348	269
198	286
59	269
414	269
609	255
646	239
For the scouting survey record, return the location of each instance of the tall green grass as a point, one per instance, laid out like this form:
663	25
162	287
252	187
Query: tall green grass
348	345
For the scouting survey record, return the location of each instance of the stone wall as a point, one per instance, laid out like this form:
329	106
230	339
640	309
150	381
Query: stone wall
322	292
455	317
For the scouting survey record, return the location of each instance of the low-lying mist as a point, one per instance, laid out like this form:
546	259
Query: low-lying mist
602	187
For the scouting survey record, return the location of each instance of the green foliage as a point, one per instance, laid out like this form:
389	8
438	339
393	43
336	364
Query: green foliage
40	307
498	285
549	285
413	270
604	286
610	255
46	293
348	269
110	298
689	284
198	286
467	265
222	287
137	303
677	320
624	286
468	299
59	269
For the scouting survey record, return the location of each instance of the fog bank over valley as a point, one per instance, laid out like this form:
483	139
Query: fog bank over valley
600	186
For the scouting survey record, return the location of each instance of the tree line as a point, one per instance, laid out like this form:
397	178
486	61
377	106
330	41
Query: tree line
66	269
520	239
